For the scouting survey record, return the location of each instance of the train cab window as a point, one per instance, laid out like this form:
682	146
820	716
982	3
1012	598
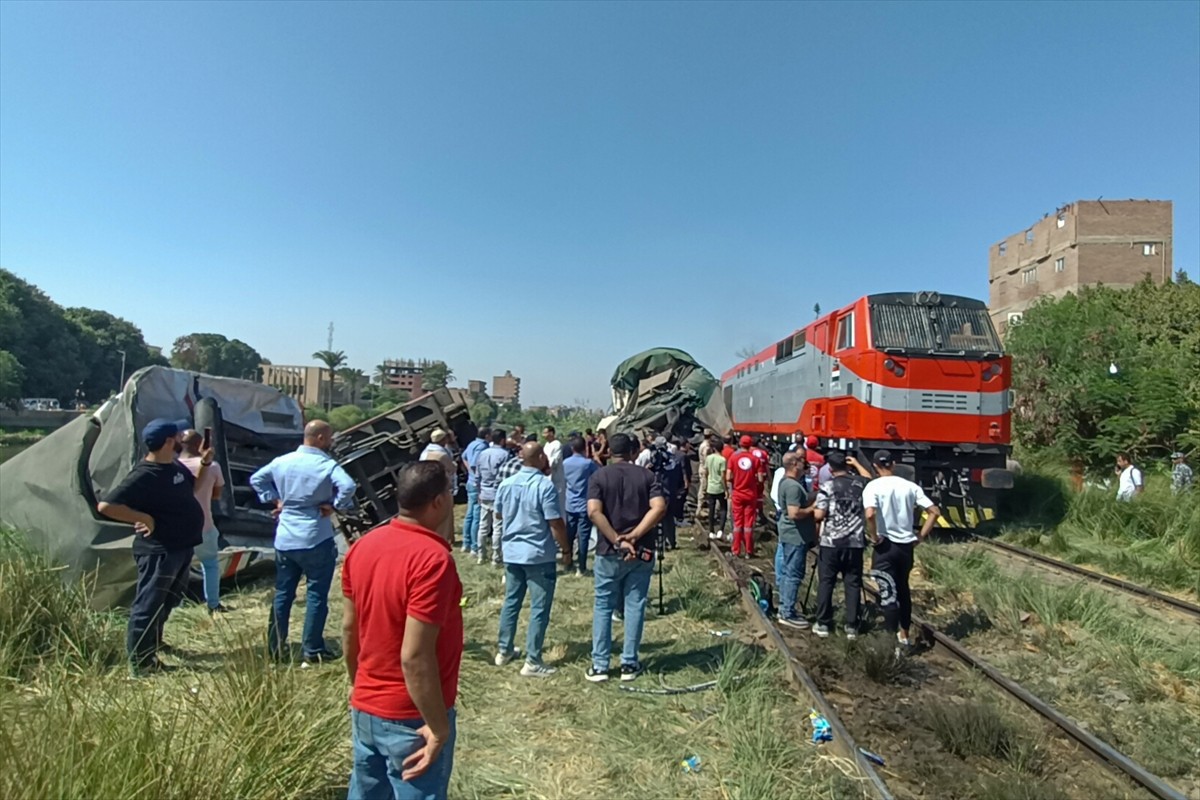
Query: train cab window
845	335
799	340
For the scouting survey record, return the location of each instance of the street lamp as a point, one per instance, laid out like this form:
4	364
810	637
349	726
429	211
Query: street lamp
121	385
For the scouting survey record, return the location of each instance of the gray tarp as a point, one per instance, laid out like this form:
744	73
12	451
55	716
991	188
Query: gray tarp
49	491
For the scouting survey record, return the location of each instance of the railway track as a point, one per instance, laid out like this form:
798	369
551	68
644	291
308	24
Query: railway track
1034	557
1107	755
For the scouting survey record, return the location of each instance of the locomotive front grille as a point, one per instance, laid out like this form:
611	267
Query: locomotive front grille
943	401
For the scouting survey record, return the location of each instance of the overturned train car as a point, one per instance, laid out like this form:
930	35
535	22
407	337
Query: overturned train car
49	492
920	374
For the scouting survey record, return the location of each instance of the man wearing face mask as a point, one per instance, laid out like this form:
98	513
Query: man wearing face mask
306	486
157	498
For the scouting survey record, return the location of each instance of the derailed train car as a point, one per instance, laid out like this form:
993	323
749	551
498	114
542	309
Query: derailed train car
665	390
921	374
49	492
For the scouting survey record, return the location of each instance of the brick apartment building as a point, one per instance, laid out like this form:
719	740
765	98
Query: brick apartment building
1113	242
506	388
476	387
404	375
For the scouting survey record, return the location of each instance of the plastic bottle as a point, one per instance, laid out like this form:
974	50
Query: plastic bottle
690	764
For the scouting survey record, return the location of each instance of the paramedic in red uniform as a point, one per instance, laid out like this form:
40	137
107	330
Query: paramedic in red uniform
814	461
745	476
403	641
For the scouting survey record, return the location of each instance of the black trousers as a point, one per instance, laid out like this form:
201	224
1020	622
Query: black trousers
848	563
712	502
161	581
890	567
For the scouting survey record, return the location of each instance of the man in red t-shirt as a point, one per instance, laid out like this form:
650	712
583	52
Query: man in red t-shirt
813	461
403	641
744	475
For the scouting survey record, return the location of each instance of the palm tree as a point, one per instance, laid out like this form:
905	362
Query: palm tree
351	379
381	374
332	359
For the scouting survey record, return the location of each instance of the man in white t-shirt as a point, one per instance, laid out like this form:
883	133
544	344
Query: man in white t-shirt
889	501
1130	483
553	448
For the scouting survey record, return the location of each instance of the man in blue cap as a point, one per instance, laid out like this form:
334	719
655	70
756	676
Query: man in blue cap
157	498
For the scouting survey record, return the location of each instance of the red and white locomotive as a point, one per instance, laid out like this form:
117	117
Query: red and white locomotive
920	374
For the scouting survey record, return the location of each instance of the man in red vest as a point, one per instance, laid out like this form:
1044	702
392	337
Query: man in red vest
745	476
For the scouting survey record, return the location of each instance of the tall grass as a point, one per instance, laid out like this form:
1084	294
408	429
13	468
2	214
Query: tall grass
1153	540
46	623
75	727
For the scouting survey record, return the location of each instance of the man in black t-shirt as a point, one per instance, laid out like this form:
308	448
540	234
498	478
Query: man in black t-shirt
625	503
157	498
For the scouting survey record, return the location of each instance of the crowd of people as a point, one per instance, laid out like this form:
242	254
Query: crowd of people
533	507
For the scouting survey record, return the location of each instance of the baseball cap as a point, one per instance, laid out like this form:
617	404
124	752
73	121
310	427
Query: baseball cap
883	458
660	441
438	436
745	441
157	431
1178	454
811	442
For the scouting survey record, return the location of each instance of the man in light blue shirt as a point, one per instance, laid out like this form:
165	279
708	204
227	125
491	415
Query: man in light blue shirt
487	466
578	469
533	533
471	522
306	486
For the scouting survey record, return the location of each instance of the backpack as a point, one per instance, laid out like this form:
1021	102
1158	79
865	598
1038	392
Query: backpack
761	591
847	515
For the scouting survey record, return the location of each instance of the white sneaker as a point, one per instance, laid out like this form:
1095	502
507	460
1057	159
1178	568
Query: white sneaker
799	623
505	658
821	630
537	670
851	634
478	556
714	536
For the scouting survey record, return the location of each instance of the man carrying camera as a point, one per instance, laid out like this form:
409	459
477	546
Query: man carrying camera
625	503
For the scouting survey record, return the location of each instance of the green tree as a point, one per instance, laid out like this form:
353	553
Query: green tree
482	412
12	374
332	359
1109	370
214	354
436	376
351	379
37	334
387	399
344	417
102	338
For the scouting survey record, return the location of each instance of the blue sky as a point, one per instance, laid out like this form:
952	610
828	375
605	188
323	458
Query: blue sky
550	188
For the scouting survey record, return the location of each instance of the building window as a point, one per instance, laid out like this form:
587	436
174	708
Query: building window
1029	276
1060	264
846	332
1149	249
1003	248
1062	220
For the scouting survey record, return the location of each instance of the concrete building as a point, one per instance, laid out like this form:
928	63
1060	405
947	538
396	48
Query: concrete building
477	387
1113	242
309	385
506	388
404	374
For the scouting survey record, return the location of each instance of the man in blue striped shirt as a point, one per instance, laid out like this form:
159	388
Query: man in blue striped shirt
306	486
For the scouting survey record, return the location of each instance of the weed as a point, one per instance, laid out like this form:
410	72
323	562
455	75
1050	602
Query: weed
877	657
46	623
972	729
1005	787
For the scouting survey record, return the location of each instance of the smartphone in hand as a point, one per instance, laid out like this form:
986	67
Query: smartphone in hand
206	443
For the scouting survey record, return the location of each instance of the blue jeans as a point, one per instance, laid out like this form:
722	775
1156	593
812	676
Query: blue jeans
471	523
789	574
540	580
316	564
627	583
579	531
380	747
206	554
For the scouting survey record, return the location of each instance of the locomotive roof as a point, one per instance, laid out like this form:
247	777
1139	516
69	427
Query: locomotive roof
924	299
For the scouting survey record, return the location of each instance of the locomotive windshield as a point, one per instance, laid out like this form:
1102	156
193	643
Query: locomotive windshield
926	323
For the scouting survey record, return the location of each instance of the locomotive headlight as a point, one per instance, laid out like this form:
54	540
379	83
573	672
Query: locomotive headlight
889	365
992	371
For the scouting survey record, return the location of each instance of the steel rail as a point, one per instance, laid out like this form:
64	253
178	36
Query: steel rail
1101	750
842	742
1107	580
